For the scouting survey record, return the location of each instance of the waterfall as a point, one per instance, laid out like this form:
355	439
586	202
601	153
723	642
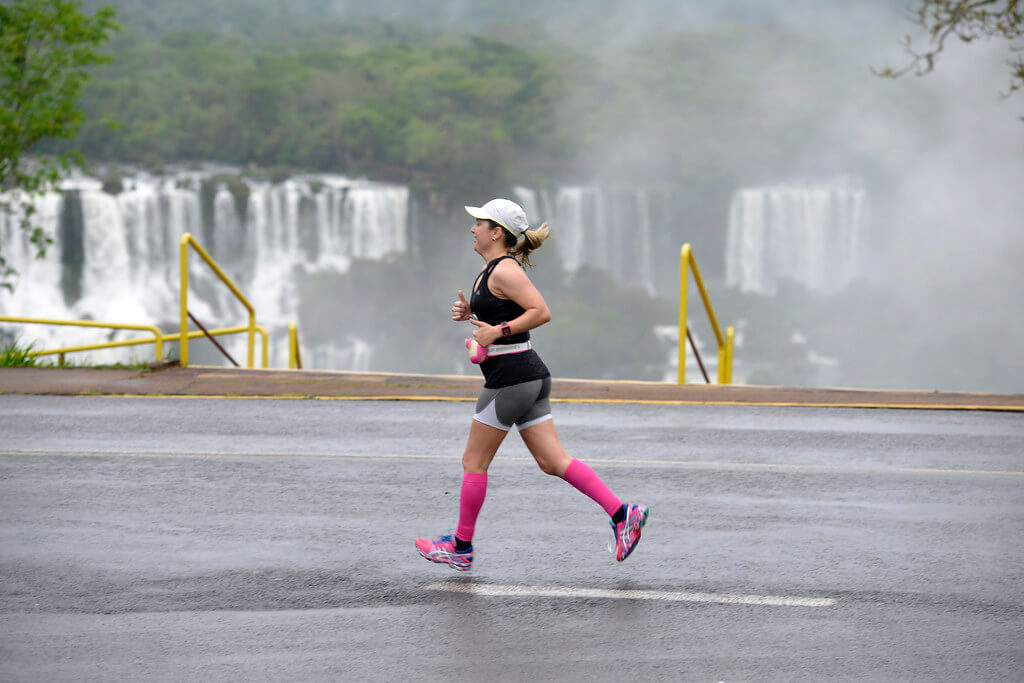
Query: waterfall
353	354
604	229
228	238
268	236
809	233
265	236
45	293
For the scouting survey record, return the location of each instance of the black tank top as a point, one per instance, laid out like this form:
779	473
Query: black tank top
504	371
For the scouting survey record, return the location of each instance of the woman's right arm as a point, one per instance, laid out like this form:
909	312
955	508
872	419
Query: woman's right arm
460	309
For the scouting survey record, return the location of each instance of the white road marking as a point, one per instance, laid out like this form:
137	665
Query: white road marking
604	462
615	594
709	401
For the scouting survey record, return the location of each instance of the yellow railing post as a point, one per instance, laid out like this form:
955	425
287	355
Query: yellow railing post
263	333
725	346
684	278
294	359
730	334
187	240
183	299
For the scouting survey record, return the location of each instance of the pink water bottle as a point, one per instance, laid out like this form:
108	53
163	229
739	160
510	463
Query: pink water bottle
477	353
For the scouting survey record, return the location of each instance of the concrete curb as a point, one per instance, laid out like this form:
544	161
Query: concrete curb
201	381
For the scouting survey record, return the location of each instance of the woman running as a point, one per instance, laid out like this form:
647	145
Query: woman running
517	384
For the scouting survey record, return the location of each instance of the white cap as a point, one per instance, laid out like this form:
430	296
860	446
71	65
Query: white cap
504	212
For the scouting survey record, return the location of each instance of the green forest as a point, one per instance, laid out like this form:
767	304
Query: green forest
453	109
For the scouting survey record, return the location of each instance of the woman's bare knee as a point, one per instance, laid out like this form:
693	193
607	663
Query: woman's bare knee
474	463
549	467
481	446
542	442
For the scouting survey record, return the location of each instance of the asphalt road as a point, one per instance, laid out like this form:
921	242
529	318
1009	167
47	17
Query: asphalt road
217	539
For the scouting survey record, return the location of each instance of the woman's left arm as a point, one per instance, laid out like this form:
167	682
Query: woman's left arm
509	281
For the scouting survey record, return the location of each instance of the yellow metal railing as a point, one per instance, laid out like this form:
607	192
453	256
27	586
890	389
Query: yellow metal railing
229	330
158	337
186	241
725	345
294	358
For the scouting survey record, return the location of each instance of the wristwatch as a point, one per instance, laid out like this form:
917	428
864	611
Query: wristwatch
506	331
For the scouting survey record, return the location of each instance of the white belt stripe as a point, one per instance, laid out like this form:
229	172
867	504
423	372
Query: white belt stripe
503	349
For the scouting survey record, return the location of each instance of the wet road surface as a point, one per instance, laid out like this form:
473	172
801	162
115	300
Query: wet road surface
217	539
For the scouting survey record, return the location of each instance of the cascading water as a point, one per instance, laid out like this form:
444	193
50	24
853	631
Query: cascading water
602	229
809	233
128	257
45	274
115	255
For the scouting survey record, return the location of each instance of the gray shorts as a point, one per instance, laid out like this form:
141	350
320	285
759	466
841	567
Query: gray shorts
523	405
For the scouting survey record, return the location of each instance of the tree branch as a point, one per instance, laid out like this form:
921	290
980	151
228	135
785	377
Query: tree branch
968	20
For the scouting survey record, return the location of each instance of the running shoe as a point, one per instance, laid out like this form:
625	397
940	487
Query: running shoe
627	532
442	550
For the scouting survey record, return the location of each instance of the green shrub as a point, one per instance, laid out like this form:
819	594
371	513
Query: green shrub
16	356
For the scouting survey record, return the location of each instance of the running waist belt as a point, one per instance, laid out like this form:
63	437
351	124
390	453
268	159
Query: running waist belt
478	354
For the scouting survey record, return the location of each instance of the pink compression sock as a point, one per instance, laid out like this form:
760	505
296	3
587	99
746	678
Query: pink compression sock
587	482
474	488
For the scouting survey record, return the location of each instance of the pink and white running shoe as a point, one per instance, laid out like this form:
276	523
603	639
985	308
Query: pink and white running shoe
442	550
627	532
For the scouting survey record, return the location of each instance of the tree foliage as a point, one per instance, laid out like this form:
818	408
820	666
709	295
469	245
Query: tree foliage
459	114
457	111
46	49
967	20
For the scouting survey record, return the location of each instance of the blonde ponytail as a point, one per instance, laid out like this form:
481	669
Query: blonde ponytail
532	239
